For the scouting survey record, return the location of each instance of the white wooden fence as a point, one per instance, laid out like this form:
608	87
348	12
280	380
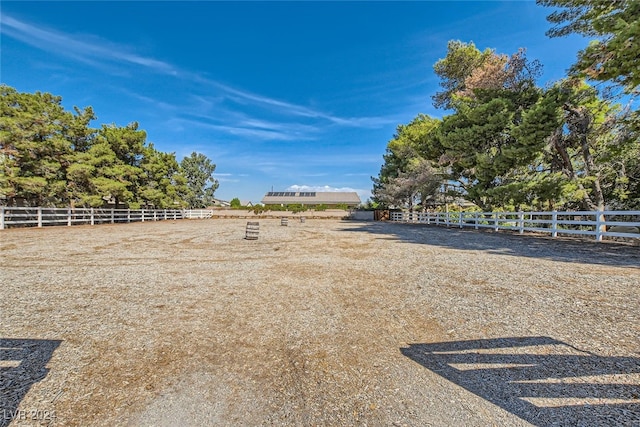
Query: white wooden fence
198	213
40	217
588	223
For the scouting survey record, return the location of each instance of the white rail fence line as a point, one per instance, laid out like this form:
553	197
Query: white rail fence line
587	223
198	213
40	217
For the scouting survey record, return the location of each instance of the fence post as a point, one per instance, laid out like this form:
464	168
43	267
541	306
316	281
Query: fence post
447	220
475	220
1	217
128	215
68	217
39	217
520	222
92	220
142	215
174	215
113	215
460	220
155	215
598	226
554	224
496	226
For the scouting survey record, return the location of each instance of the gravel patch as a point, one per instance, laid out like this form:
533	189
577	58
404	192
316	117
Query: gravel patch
324	322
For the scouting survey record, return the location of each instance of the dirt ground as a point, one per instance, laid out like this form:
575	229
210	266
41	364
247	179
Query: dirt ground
327	322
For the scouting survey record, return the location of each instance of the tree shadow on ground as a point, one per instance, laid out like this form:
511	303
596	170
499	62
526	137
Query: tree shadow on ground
539	379
22	363
506	243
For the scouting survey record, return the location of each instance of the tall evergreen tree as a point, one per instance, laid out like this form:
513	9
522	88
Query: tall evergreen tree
37	139
198	171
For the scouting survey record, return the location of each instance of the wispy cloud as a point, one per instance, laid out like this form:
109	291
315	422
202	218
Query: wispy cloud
93	53
299	110
263	132
104	54
225	177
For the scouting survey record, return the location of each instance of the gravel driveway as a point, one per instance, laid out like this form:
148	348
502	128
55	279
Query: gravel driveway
318	323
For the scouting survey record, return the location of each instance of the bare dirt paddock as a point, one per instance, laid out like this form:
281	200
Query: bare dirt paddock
319	323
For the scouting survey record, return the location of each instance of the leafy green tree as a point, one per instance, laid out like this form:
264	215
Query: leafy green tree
52	157
401	160
613	53
162	184
489	93
454	70
585	145
235	203
419	184
118	152
198	171
37	139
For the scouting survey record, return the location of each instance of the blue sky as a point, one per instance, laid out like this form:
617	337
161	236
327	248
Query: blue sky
282	95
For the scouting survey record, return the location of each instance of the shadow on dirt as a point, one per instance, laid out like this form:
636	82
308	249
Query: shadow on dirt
505	243
518	375
22	363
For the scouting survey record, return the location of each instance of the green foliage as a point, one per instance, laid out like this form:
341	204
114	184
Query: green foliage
321	207
198	171
613	55
51	157
258	209
510	145
296	208
37	141
455	68
405	177
370	205
235	203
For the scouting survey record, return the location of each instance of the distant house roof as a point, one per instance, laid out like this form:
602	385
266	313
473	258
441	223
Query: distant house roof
311	198
218	202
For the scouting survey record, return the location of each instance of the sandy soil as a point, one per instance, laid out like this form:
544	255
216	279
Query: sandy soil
319	323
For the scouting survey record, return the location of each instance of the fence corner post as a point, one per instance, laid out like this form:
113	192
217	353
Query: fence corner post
554	224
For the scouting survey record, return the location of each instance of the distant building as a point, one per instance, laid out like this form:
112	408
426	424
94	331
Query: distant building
312	198
220	203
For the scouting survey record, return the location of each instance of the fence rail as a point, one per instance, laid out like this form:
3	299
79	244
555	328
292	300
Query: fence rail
588	223
41	217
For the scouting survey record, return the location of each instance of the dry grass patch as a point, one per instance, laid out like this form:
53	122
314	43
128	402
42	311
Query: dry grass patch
183	323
